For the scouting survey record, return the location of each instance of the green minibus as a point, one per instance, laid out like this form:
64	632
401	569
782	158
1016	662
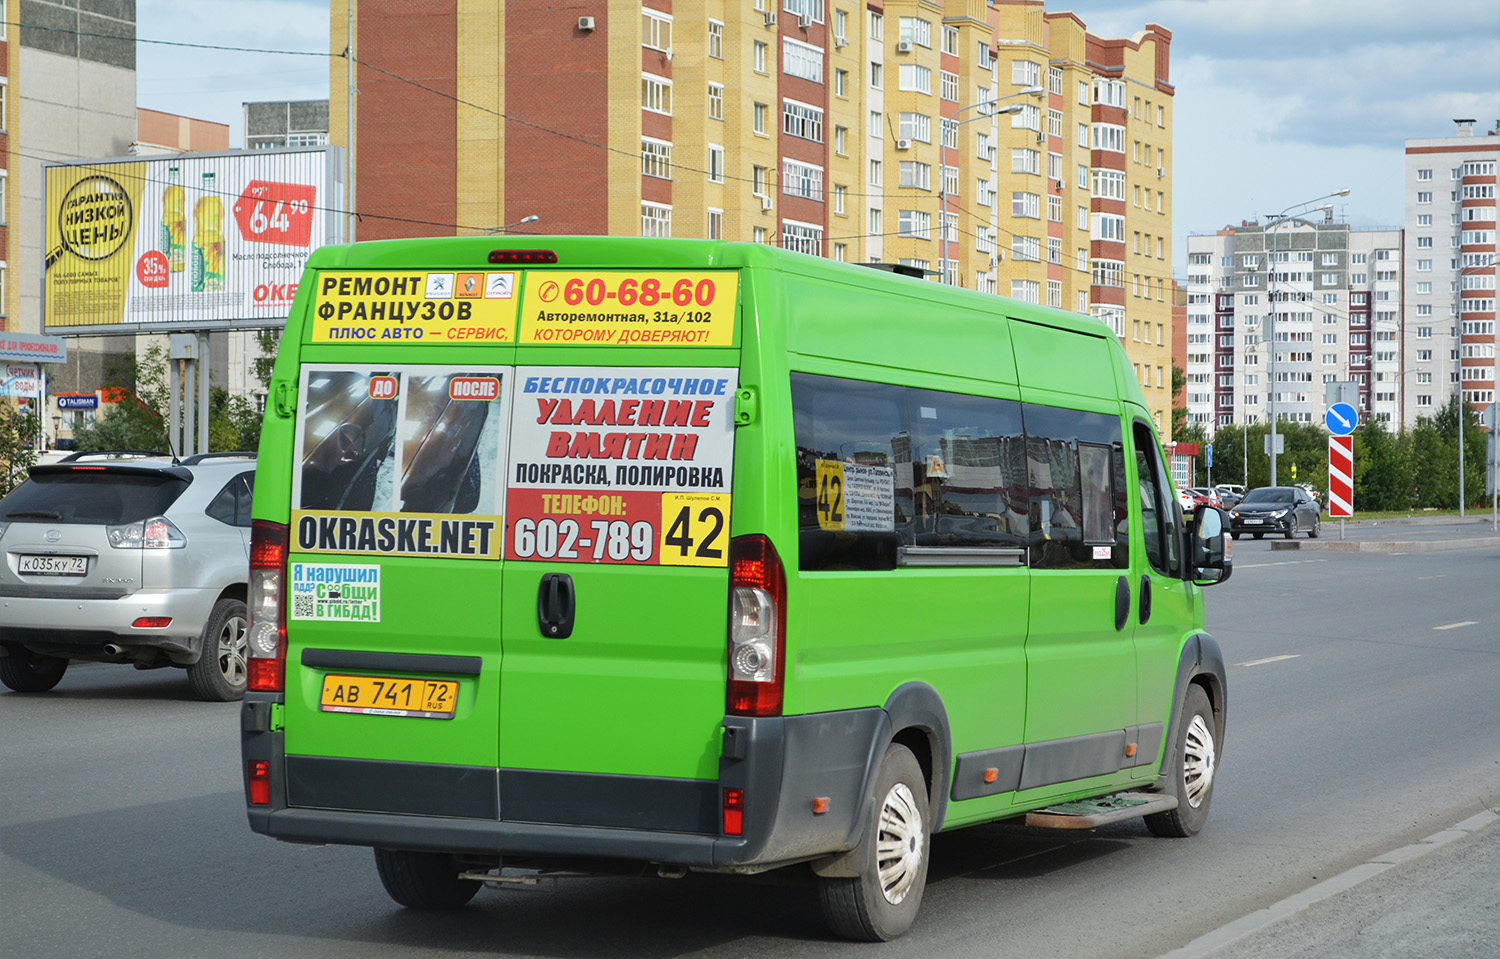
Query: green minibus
594	555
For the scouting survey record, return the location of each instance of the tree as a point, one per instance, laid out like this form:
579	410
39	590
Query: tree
1382	479
1474	449
135	421
19	430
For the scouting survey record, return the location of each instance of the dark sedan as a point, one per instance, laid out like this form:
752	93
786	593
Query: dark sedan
1287	510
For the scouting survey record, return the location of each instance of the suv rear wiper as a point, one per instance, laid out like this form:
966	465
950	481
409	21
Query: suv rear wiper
35	514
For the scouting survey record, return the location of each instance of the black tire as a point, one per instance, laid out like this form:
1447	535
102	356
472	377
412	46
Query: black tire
1195	762
219	675
1259	535
1317	527
881	902
424	880
28	672
1234	535
1291	527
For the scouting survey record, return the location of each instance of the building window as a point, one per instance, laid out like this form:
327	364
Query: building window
876	75
1108	136
656	158
802	120
1025	160
759	115
716	39
758	57
1027	291
656	94
656	30
841	141
656	220
914	223
715	224
715	163
802	179
916	175
948	86
1054	209
802	237
716	101
1024	73
1026	205
915	126
841	83
915	30
840	194
915	77
877	173
758	181
800	59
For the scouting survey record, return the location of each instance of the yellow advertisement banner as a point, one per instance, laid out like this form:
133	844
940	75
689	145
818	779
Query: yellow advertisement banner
90	225
415	306
398	534
630	308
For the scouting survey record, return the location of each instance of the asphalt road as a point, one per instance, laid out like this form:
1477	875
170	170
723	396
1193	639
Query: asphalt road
1363	717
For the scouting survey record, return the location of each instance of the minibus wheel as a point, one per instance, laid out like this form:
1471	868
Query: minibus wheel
1196	760
882	901
423	880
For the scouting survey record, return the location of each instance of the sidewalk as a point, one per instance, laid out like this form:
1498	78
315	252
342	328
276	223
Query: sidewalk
1436	899
1407	534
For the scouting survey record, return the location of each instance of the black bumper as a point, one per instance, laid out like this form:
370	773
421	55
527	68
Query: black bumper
781	763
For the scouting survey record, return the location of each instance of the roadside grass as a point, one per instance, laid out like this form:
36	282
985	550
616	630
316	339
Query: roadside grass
1400	514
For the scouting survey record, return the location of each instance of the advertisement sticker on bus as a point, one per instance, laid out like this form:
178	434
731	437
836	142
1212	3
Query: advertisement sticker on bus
410	306
622	465
401	461
638	308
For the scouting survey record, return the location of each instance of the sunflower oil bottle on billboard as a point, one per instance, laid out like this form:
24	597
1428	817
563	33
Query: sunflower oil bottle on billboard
173	221
208	239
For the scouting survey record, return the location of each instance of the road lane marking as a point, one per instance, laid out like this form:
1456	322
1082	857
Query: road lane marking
1270	659
1467	622
1439	576
1287	562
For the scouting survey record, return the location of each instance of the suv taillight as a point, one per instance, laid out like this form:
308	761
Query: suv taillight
266	645
757	628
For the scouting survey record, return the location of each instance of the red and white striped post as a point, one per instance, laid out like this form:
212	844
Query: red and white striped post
1340	477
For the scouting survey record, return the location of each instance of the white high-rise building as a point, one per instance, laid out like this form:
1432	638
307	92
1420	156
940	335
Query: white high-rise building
1328	297
1450	264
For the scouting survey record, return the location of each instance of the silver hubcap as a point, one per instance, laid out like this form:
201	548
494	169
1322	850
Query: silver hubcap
899	845
232	651
1199	761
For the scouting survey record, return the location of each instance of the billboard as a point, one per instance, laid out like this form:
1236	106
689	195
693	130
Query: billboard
192	241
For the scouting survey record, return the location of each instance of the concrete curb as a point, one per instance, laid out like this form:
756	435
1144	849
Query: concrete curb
1290	906
1386	546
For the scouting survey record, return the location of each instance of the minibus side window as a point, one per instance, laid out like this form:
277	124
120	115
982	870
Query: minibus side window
1076	474
1160	519
854	472
880	467
968	468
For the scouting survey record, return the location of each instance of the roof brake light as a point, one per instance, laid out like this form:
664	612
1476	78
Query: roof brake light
523	257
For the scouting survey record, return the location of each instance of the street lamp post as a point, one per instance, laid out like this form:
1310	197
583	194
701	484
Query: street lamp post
501	229
1033	91
1273	220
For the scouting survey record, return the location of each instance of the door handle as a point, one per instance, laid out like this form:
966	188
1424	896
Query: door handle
555	603
1145	598
1122	602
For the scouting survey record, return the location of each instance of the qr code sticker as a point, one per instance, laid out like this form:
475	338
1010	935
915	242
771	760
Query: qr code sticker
302	606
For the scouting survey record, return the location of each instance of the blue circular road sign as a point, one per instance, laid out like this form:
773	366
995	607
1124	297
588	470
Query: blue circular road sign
1341	419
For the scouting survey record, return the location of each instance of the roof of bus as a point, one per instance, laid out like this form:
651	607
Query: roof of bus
611	252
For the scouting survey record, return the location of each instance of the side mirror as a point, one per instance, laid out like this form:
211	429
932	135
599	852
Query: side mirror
1210	551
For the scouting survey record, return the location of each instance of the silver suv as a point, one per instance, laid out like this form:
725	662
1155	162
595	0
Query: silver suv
128	559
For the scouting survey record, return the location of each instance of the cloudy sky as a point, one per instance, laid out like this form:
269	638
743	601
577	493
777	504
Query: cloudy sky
1277	101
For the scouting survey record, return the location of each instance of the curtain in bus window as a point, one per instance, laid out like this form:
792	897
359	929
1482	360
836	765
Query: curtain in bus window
968	471
1076	474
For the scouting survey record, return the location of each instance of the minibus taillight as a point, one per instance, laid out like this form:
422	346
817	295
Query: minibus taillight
259	779
757	628
523	257
266	644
